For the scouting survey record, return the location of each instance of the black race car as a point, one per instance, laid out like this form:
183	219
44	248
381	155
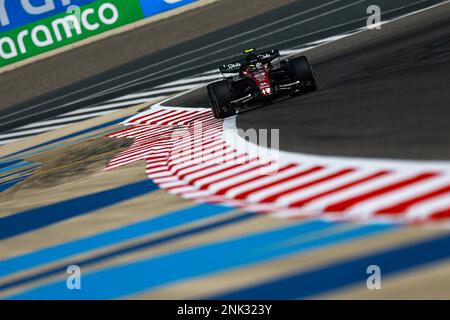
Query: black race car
259	79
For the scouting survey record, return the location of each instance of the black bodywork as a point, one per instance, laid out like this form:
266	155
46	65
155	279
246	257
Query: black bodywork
257	80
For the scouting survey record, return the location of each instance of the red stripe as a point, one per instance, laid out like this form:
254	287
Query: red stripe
271	184
135	130
303	202
176	121
148	115
251	180
145	138
148	146
125	132
343	205
199	155
141	148
402	207
174	118
210	160
199	136
206	186
154	137
219	171
151	130
214	164
167	122
444	214
169	116
130	160
149	119
211	138
156	169
188	119
274	197
197	117
140	156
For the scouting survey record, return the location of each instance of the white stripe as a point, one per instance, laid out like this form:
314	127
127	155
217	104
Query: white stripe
200	154
367	208
154	166
265	180
205	79
29	132
253	173
138	155
323	187
260	195
164	174
130	132
203	57
63	120
357	190
190	63
156	92
209	72
180	114
295	51
181	190
110	105
196	194
424	209
178	166
166	180
224	174
3	142
215	167
152	116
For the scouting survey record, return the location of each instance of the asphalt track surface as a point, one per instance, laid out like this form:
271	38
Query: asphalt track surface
385	101
287	27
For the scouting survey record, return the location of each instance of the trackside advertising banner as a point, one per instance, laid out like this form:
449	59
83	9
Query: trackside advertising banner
152	7
32	27
17	13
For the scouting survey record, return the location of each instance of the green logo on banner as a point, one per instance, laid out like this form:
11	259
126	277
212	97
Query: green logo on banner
63	29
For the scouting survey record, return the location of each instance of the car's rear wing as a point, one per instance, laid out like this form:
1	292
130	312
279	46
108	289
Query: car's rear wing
235	67
269	55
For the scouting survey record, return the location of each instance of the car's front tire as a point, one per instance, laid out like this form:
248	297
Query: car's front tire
303	71
220	97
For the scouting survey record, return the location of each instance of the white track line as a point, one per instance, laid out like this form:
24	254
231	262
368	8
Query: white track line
164	71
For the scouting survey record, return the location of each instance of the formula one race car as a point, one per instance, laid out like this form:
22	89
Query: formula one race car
258	80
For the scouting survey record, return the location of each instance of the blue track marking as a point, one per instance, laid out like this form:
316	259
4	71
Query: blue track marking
8	163
26	171
33	219
145	228
15	165
11	183
137	277
350	272
127	250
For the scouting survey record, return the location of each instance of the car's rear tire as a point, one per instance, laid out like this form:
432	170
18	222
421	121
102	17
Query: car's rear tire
303	71
220	97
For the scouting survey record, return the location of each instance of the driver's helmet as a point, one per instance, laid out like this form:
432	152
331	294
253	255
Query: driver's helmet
255	66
